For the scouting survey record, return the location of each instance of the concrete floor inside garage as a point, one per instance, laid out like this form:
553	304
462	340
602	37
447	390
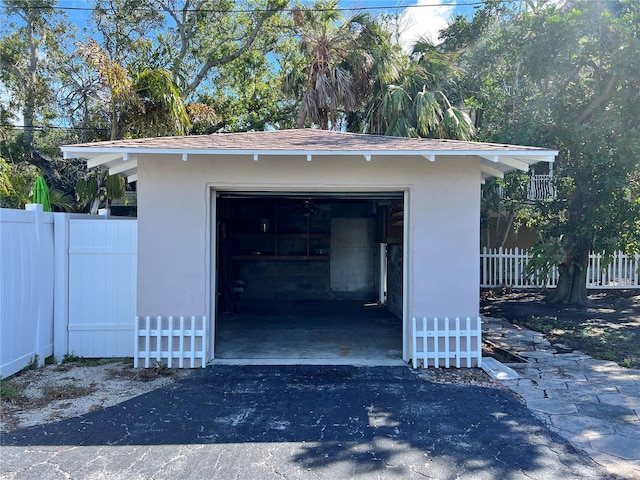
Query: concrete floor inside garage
338	332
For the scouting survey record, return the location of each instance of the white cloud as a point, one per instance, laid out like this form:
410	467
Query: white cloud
424	21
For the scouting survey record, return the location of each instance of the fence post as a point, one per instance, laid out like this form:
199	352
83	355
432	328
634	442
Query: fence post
483	266
60	285
517	280
38	224
500	266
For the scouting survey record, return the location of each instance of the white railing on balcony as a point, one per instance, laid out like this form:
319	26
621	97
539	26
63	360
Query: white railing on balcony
541	187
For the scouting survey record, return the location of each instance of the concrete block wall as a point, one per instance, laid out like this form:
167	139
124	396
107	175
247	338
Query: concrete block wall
284	279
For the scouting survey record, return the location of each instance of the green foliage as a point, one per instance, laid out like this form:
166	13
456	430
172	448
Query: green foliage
34	363
98	188
9	391
61	201
602	341
163	110
75	360
247	93
565	77
32	42
417	104
115	186
16	183
87	188
546	254
345	60
70	358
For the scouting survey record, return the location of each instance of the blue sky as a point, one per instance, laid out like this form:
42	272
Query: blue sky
418	17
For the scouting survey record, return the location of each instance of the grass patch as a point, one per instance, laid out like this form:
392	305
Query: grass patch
76	361
598	340
51	393
10	392
33	363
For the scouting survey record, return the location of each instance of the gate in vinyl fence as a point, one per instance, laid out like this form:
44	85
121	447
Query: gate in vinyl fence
447	342
507	267
102	287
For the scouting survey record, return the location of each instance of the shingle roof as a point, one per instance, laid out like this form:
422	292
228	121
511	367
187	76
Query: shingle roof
496	158
299	140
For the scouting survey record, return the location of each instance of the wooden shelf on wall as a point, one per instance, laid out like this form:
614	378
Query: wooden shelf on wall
281	235
280	257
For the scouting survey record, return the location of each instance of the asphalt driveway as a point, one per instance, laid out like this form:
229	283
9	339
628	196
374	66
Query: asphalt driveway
251	422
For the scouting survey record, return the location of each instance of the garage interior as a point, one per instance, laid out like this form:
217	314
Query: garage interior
305	277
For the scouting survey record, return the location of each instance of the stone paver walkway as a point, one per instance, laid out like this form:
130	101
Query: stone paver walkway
594	404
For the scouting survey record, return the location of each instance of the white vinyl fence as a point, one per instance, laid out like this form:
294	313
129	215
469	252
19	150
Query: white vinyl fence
26	288
50	294
507	267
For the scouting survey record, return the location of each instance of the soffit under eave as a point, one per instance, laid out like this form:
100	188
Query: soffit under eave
123	161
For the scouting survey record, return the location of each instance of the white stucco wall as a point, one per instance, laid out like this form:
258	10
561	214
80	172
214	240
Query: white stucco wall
174	203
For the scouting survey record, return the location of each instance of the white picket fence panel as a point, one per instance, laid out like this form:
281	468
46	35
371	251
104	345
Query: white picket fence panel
622	272
506	267
173	342
102	287
447	342
26	287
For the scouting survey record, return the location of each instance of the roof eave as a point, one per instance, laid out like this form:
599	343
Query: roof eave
124	160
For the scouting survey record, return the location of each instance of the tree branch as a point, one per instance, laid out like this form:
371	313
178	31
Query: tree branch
16	71
213	62
598	100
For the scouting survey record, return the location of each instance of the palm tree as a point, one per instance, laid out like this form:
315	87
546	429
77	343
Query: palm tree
418	105
142	103
341	61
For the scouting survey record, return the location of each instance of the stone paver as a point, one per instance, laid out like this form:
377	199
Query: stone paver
594	404
629	449
551	407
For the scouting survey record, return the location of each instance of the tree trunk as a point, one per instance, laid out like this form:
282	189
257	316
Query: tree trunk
302	117
114	123
31	79
503	229
572	282
52	175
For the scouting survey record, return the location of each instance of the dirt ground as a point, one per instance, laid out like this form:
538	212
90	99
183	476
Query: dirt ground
58	391
608	328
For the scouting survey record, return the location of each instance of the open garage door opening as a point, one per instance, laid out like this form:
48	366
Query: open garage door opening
309	278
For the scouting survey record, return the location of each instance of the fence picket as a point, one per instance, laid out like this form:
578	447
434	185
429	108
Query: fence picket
447	357
147	338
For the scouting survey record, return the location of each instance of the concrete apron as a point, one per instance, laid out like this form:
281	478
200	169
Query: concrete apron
309	332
